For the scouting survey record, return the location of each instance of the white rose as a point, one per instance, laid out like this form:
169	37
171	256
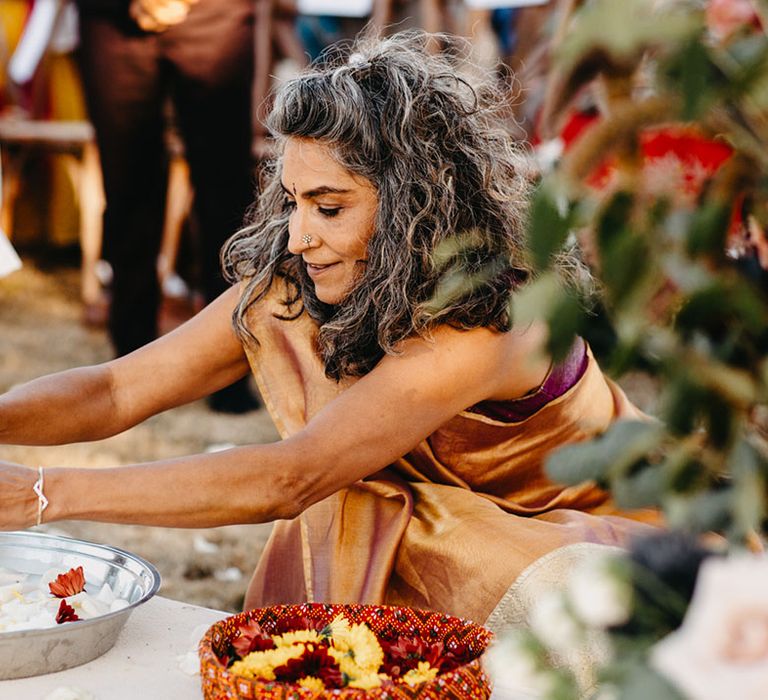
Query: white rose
515	670
554	624
600	595
721	649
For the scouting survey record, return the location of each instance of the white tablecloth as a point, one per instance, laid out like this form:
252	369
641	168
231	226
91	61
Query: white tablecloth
143	663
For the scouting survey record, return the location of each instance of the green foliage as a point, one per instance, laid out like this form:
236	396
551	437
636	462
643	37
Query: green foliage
749	468
549	299
549	228
464	266
611	37
624	255
613	455
641	683
675	302
696	76
709	227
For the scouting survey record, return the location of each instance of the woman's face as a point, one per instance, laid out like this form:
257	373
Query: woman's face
335	209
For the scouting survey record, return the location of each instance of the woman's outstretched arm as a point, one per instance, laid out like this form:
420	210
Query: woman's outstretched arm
372	423
91	403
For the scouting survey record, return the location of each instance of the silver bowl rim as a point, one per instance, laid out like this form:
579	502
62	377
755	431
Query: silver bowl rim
151	569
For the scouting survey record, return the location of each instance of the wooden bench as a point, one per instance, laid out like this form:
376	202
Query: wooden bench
20	137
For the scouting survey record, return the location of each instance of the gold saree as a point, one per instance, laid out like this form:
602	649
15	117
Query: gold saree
451	525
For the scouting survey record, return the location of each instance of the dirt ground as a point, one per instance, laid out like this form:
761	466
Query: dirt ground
40	332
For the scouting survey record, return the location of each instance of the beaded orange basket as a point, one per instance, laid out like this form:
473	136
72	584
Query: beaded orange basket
467	681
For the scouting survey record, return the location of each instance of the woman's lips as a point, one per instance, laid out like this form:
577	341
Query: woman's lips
314	269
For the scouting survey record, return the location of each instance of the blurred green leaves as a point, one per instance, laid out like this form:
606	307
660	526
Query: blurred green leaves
680	301
551	224
624	254
614	454
549	299
692	73
610	38
708	229
641	682
464	265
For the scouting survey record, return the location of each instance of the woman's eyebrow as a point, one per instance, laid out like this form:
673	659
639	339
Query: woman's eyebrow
317	191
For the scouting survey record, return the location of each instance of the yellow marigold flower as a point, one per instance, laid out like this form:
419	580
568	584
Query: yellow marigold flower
359	641
253	670
337	654
421	674
297	637
346	663
262	664
357	677
366	681
339	628
312	683
365	648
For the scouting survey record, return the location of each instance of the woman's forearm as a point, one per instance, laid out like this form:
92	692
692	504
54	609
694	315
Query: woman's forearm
70	406
91	403
241	485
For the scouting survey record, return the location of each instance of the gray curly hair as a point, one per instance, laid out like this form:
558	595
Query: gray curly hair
448	244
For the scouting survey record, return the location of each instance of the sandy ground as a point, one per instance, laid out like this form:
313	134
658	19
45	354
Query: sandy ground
40	332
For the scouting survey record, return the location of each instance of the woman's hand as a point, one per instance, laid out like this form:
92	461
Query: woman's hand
18	501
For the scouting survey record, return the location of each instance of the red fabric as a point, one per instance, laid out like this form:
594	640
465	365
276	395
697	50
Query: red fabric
690	148
577	124
696	155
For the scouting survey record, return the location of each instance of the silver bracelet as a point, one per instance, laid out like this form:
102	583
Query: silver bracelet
42	501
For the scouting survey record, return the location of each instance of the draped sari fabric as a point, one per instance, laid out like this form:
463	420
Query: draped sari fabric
451	525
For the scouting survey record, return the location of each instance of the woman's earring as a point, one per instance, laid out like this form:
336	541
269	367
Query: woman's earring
306	239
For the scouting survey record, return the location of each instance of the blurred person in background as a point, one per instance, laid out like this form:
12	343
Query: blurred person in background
135	54
280	54
511	33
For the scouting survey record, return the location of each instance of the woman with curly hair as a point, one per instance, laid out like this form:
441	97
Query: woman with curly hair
373	306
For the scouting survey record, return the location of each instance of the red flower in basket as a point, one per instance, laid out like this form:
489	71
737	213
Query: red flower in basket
315	663
407	651
252	638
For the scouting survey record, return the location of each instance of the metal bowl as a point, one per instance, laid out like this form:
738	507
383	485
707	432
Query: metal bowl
33	652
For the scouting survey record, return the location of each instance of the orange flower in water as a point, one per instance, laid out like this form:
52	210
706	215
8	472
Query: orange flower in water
66	613
71	583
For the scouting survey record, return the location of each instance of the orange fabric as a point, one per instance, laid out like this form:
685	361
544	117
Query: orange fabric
450	525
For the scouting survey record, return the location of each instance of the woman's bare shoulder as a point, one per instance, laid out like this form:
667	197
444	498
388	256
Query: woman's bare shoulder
508	364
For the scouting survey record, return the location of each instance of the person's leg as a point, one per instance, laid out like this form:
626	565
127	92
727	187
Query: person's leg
212	70
212	62
123	86
90	197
